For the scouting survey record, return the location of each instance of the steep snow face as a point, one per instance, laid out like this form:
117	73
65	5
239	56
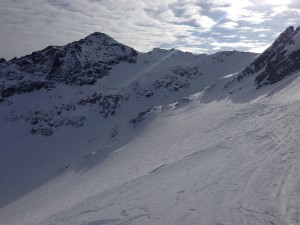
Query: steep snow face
281	59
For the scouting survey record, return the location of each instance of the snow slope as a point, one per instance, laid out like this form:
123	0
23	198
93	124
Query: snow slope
195	163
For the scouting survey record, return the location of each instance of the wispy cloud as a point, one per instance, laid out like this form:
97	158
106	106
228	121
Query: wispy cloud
186	24
229	25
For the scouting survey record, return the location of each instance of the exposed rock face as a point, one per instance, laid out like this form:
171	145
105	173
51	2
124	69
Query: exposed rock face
23	87
108	104
44	122
281	59
79	63
141	116
82	62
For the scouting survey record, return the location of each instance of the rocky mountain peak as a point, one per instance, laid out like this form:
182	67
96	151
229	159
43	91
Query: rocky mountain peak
286	37
281	59
98	38
81	62
99	35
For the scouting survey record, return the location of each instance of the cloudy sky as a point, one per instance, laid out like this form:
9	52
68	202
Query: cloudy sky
198	26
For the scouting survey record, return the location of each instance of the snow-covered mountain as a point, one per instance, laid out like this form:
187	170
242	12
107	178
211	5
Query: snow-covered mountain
95	132
101	74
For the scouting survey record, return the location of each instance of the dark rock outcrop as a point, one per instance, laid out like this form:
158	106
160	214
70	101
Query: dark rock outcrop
281	59
22	87
2	60
108	104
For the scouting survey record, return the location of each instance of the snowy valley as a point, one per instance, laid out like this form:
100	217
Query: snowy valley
95	132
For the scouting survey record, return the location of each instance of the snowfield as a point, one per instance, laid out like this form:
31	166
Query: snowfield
217	162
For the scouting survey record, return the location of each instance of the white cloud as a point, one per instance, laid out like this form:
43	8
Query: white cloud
277	2
204	21
239	11
232	3
242	29
229	36
229	25
262	35
279	9
261	29
190	10
297	11
235	44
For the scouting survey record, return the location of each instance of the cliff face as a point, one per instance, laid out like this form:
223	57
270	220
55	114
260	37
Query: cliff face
281	59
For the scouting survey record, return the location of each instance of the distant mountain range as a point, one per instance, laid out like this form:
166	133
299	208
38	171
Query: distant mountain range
117	72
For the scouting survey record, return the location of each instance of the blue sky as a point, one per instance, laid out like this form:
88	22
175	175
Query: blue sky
197	26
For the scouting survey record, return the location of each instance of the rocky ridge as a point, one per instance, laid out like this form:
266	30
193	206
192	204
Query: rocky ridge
281	59
79	63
